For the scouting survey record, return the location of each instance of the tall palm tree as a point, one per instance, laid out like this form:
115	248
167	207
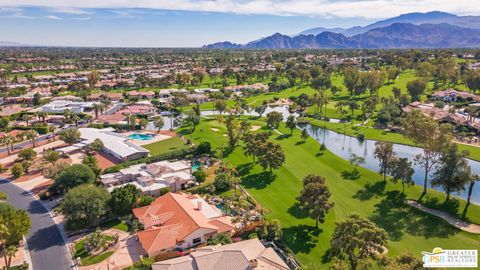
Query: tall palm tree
75	119
132	120
96	109
27	118
9	140
67	114
32	135
158	122
43	116
9	252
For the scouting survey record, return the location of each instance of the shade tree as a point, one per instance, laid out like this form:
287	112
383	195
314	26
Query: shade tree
314	198
356	238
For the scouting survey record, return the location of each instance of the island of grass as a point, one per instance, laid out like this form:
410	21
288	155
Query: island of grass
409	229
87	258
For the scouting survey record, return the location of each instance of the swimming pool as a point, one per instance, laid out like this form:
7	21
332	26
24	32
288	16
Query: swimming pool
141	137
196	165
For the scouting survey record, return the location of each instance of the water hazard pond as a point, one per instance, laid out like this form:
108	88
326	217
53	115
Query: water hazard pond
344	145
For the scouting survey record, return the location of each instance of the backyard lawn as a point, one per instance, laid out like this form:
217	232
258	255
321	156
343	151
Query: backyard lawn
165	146
409	230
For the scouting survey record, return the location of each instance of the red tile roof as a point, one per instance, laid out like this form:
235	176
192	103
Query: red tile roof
171	218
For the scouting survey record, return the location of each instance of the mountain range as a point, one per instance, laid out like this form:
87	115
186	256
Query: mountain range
413	30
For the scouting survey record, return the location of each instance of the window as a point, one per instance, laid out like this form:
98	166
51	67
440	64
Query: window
197	240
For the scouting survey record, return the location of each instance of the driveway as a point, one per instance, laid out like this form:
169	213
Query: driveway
47	248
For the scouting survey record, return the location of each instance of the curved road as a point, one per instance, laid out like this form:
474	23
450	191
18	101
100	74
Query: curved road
48	250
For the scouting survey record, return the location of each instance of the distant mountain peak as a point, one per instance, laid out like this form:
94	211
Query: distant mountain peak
395	35
434	17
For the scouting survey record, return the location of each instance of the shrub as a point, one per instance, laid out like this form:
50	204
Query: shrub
164	191
204	148
17	170
55	169
439	104
221	238
145	200
200	175
223	182
27	154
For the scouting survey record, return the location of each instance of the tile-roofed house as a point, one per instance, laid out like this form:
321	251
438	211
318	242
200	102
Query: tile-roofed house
178	221
151	178
244	255
451	95
109	96
146	95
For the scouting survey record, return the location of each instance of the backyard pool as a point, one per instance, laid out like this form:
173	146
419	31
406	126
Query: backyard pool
196	165
141	137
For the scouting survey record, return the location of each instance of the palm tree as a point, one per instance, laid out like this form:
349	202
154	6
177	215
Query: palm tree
131	120
32	135
67	115
158	122
43	116
27	118
9	140
96	109
103	107
9	252
4	232
75	119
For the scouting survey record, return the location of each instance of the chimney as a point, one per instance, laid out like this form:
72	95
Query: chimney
253	263
199	205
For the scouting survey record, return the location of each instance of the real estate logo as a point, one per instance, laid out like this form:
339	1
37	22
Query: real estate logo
450	258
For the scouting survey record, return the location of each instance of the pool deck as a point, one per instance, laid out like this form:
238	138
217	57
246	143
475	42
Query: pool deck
158	137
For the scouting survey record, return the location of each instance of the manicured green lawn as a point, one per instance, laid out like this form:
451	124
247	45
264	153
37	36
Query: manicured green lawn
164	146
409	230
89	259
116	224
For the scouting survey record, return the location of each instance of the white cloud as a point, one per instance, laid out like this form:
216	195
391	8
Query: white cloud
68	10
82	18
52	17
370	9
12	12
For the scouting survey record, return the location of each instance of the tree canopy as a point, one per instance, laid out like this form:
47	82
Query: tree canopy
71	177
84	205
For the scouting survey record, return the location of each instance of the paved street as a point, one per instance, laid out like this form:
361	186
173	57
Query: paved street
47	248
26	143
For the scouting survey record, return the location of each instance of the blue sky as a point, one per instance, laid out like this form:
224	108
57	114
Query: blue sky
191	23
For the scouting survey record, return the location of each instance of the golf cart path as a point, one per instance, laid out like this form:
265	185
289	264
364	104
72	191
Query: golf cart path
452	220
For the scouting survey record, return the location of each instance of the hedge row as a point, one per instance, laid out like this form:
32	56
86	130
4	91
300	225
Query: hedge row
175	154
116	126
40	129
